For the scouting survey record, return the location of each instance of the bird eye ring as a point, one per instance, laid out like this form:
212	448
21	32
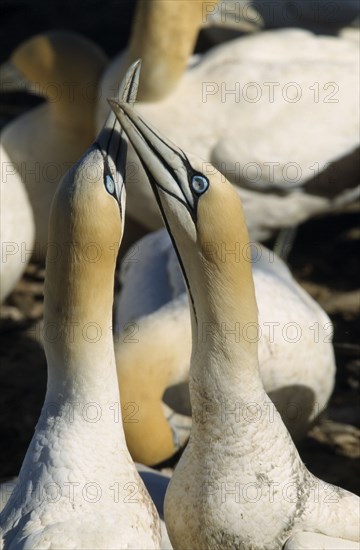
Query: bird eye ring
109	184
199	184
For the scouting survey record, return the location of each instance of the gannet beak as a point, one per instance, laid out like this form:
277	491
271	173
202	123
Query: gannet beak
110	140
167	166
171	176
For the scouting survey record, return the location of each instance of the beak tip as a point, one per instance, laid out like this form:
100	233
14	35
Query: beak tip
130	84
128	88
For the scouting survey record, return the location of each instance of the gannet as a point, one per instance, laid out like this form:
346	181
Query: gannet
240	482
271	111
78	486
42	144
153	303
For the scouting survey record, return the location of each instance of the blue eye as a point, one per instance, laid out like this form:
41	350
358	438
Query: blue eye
199	184
109	184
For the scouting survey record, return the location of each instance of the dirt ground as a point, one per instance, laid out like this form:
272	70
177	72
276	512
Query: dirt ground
324	259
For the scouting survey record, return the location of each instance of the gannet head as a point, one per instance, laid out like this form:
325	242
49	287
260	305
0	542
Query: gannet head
96	182
205	219
61	65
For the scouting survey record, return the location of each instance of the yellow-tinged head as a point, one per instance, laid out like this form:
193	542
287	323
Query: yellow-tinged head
85	231
205	219
63	66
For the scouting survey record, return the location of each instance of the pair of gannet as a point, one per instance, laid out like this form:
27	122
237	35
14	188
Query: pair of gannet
78	486
240	482
269	110
153	341
38	147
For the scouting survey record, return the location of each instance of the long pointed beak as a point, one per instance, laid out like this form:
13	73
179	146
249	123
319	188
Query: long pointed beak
111	140
166	164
